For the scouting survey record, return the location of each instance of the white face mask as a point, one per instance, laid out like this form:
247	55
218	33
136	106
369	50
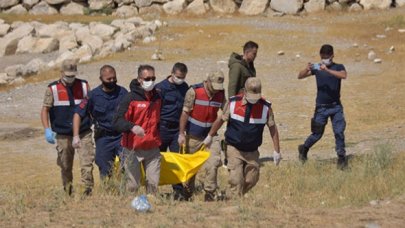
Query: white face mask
252	101
148	86
68	80
327	62
177	80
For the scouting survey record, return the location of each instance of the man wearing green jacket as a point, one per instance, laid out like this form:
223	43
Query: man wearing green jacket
241	67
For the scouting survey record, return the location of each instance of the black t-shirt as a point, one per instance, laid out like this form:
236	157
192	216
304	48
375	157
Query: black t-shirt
328	85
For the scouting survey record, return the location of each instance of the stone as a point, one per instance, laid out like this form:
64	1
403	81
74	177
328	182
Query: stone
314	6
158	55
120	43
126	11
100	4
223	6
149	39
76	26
84	53
43	8
56	2
143	3
335	6
72	8
401	30
29	3
103	31
14	70
62	57
95	42
196	7
3	79
26	44
49	30
391	50
124	26
371	55
33	67
106	49
9	43
4	28
46	45
151	10
399	3
287	6
377	60
17	81
253	7
280	53
135	20
355	7
375	4
4	4
81	33
67	40
17	10
174	7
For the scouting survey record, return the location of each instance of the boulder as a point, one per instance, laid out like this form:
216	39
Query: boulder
17	81
103	31
335	6
49	30
100	4
399	3
4	28
143	3
106	49
43	8
67	40
95	42
150	10
75	26
196	7
26	44
223	6
81	33
9	43
72	8
56	2
84	53
315	6
376	4
126	11
62	57
174	7
33	67
18	10
3	79
253	7
14	70
46	45
29	3
135	20
355	7
287	6
120	43
4	4
124	26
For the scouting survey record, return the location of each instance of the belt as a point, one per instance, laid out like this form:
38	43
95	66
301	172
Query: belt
331	105
170	125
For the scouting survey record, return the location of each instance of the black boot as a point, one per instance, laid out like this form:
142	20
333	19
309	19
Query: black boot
302	153
342	162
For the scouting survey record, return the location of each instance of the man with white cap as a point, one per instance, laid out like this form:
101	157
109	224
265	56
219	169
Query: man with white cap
247	114
200	109
61	99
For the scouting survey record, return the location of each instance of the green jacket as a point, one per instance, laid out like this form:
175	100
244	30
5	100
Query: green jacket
239	72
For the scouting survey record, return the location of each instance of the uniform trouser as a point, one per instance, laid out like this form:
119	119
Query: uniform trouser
66	156
243	170
107	147
209	172
150	160
337	117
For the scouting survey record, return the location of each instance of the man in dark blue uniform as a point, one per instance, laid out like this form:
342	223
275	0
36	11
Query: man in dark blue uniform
173	90
101	105
328	76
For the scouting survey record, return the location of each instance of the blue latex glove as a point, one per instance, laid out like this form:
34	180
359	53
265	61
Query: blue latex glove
50	136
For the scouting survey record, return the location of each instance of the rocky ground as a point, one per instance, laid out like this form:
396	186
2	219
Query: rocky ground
372	95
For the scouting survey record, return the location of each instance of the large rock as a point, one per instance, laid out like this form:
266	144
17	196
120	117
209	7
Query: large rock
9	43
123	25
223	6
335	6
100	4
84	53
26	44
4	4
143	3
72	8
67	40
56	2
315	6
14	70
126	11
174	7
150	10
104	31
4	28
82	33
106	49
95	42
50	30
33	67
355	7
400	3
376	4
46	45
287	6
62	57
197	7
29	3
43	8
18	10
253	7
121	42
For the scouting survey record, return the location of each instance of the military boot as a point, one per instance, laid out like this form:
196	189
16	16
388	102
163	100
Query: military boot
302	153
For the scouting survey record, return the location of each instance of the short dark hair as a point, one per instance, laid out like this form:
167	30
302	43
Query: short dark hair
107	67
250	45
144	67
326	49
180	67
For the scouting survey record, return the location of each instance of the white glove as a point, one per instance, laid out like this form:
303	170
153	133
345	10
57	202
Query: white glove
76	143
181	140
208	140
276	158
138	131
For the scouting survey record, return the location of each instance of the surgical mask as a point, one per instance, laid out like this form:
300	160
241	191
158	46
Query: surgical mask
110	85
178	81
327	62
252	101
148	85
69	80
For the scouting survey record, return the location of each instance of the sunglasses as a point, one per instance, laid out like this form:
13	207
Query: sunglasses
149	79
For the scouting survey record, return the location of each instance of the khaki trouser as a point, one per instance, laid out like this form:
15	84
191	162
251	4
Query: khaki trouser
209	172
243	170
150	159
66	156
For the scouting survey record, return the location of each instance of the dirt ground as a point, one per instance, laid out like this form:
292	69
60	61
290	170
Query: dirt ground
373	97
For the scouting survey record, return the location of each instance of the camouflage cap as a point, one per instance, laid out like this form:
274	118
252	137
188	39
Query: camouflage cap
69	67
253	88
217	80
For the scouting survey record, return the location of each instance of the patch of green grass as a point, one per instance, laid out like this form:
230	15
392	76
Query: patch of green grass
396	22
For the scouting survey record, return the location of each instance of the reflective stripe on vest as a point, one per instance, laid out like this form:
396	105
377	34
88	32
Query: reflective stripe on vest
240	116
64	101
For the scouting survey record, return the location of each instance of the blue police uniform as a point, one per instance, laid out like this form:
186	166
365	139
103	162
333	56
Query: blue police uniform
101	106
172	106
328	105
